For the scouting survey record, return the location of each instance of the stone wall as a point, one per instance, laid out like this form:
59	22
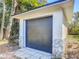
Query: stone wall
58	48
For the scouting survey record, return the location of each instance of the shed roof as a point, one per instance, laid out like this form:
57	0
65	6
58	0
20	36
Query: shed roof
55	2
66	5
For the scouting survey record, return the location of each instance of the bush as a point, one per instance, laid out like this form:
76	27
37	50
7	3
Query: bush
73	37
73	29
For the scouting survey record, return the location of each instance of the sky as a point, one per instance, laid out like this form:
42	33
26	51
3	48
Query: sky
76	4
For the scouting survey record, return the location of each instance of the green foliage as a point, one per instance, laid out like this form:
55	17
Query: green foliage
74	30
8	2
6	20
14	32
1	10
74	27
73	37
26	5
23	5
15	27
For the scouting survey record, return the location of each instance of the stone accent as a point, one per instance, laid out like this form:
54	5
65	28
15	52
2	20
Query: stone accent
58	36
57	48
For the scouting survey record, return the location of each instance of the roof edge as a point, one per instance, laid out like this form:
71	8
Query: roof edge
44	6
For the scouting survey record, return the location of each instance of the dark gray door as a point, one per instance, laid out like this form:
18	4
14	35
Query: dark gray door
39	34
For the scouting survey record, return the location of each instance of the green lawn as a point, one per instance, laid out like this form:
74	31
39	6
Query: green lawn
73	37
3	42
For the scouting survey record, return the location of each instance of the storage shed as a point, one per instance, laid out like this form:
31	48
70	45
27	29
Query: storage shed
43	30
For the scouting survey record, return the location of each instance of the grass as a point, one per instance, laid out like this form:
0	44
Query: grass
73	37
3	42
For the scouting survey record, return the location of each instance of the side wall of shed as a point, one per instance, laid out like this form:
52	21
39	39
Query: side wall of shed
59	34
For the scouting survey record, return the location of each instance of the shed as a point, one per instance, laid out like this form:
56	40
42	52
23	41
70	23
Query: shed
44	29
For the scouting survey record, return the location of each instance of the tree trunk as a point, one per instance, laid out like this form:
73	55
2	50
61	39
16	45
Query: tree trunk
8	30
3	20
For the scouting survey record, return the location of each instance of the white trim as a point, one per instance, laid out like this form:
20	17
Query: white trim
24	33
22	29
41	16
58	47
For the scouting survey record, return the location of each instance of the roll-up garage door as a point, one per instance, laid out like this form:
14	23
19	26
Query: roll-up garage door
39	34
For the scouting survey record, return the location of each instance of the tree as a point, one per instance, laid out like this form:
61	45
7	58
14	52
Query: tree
74	26
14	4
3	19
1	9
12	7
19	6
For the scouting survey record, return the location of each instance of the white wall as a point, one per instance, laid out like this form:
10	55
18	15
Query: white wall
22	36
58	33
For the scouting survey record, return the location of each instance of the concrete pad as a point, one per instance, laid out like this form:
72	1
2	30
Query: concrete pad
30	53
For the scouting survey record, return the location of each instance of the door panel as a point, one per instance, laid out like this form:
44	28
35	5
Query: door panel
39	34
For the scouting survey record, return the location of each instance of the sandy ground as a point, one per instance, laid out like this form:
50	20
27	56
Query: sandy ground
71	49
7	51
3	42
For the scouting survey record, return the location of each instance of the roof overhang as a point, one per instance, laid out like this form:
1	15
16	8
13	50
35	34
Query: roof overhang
66	6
